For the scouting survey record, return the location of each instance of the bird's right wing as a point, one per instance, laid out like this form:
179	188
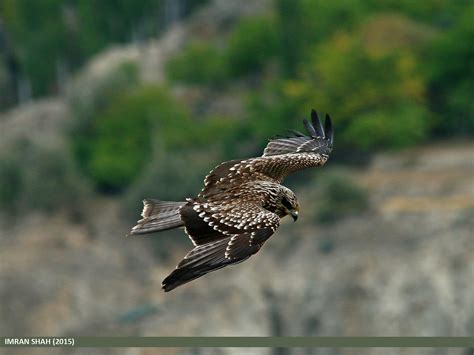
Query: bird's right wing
281	157
319	141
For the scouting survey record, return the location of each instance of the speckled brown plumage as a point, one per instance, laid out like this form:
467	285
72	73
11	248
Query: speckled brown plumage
241	203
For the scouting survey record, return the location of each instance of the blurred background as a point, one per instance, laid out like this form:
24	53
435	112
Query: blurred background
104	103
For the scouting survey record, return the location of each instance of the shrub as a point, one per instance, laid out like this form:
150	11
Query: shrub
10	181
270	113
388	129
199	63
373	91
253	42
303	23
116	146
451	78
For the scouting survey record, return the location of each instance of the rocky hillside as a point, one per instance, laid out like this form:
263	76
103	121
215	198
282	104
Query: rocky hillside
404	267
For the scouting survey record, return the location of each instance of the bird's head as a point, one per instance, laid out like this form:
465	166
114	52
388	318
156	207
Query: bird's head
287	204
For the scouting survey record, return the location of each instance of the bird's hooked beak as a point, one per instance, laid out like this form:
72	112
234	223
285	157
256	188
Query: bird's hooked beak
294	214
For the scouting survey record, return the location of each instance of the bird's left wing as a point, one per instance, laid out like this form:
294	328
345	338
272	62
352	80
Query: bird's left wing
243	231
281	157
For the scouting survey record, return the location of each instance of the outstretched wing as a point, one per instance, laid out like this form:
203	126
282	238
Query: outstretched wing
281	157
231	236
319	141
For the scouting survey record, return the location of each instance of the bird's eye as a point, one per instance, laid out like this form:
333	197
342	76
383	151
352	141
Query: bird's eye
286	203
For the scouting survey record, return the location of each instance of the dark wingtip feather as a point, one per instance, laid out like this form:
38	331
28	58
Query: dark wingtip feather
309	128
328	128
167	287
317	123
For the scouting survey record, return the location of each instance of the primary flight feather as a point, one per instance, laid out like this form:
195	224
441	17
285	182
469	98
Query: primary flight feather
241	203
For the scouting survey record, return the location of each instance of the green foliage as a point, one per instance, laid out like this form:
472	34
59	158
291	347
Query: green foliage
10	182
303	23
369	79
92	100
368	71
291	34
120	139
199	63
340	198
379	130
116	144
271	112
252	43
375	92
54	33
39	50
434	12
452	77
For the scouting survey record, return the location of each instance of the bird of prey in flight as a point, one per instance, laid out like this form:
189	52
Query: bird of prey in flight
241	203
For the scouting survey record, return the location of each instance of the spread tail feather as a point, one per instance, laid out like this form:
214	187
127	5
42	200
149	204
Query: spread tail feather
158	216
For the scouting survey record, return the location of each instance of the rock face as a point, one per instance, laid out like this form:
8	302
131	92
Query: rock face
40	122
405	267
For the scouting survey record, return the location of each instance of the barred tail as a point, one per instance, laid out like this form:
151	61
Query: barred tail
158	216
